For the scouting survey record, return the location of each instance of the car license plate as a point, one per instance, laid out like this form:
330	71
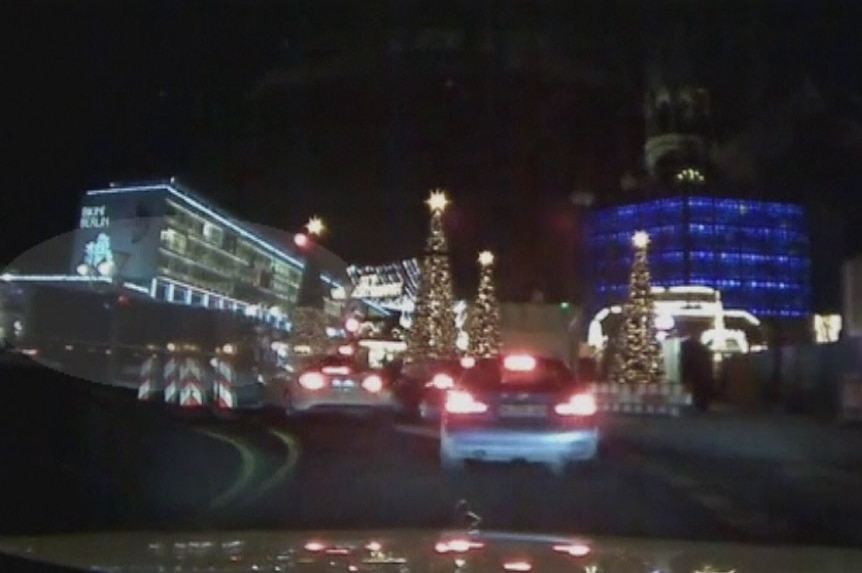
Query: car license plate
343	384
523	411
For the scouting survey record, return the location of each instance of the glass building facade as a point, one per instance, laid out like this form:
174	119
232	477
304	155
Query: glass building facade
757	254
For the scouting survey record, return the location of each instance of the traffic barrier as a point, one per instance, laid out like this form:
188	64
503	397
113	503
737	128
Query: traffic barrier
171	378
193	392
150	379
225	377
667	399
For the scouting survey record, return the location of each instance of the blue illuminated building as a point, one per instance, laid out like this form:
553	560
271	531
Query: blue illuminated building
757	254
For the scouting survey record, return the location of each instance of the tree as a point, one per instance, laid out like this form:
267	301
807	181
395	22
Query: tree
485	338
308	319
638	358
308	330
433	333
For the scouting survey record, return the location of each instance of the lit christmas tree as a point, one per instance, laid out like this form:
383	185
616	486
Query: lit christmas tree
308	319
638	357
485	338
433	332
308	331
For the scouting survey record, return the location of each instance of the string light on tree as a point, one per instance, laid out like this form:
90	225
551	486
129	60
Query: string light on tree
433	332
638	357
438	201
315	226
640	240
485	339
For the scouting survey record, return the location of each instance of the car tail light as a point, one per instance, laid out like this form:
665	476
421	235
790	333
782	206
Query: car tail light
312	381
458	402
468	362
373	383
519	363
577	405
442	382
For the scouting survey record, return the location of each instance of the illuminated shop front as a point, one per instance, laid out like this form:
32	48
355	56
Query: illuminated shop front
755	253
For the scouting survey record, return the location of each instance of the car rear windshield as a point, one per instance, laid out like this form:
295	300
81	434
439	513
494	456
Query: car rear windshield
546	376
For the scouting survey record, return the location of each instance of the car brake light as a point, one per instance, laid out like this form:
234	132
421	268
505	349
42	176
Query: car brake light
442	382
373	383
459	402
519	363
578	405
312	381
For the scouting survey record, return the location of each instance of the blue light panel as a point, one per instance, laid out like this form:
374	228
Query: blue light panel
756	253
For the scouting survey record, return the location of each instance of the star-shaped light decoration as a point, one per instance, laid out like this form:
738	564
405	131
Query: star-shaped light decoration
640	240
486	258
315	226
438	201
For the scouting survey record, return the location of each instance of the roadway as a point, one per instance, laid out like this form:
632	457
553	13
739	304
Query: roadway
88	457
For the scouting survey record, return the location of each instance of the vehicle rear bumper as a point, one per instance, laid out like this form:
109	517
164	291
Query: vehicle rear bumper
333	402
546	446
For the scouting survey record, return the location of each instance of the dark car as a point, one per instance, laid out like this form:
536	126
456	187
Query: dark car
421	387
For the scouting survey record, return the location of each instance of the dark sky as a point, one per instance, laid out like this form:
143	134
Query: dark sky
104	91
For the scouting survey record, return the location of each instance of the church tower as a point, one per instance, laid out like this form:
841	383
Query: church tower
676	107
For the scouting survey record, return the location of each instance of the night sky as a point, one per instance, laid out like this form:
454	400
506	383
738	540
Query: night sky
279	111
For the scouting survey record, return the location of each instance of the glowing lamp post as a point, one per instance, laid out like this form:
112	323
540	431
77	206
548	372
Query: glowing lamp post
486	258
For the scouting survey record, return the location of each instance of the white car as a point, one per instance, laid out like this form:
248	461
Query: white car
338	383
519	408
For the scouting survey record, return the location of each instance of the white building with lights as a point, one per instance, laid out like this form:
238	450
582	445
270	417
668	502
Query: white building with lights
689	311
164	241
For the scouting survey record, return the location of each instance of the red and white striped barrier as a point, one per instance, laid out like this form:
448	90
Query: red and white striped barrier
225	377
192	390
172	380
150	379
668	399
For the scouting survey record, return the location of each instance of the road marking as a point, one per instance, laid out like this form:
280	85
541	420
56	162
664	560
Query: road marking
294	452
245	474
421	431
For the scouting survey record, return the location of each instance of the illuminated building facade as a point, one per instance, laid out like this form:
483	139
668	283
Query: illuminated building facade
392	286
166	241
756	254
